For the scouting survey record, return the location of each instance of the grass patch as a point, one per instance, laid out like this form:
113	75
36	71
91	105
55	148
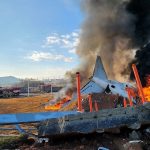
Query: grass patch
12	142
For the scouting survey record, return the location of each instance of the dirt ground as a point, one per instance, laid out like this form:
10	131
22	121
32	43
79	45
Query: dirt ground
24	104
80	142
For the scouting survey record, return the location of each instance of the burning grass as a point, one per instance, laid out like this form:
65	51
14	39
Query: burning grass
71	106
59	104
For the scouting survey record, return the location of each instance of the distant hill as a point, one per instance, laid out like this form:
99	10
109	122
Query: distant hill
8	80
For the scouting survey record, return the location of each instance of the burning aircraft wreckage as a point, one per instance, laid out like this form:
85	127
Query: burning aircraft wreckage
101	104
112	29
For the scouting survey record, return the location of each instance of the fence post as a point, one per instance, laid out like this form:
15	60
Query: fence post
138	81
90	102
96	106
124	103
78	91
129	96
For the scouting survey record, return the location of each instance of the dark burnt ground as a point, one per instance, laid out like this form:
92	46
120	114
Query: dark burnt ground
112	139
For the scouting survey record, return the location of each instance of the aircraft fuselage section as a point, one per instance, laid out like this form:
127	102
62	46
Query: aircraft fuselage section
115	87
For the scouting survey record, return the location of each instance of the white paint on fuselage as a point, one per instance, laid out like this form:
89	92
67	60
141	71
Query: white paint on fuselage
114	86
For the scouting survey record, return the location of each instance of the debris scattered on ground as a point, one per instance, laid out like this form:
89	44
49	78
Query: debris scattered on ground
135	135
93	141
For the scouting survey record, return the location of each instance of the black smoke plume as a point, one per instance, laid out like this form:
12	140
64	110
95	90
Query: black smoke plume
141	10
142	61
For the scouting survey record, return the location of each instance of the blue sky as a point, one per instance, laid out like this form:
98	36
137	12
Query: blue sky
38	38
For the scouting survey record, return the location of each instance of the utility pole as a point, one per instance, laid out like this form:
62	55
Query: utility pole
28	88
51	89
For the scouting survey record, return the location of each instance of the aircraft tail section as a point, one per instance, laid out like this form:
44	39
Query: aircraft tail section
99	70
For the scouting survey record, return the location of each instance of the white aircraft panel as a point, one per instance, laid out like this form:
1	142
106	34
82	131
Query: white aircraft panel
91	87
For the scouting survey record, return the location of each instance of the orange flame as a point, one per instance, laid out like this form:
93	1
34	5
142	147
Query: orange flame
146	91
57	106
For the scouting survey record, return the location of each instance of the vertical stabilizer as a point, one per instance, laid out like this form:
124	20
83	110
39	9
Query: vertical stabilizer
99	70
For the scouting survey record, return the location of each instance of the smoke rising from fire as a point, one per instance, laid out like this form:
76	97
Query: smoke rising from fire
113	29
142	61
141	10
107	31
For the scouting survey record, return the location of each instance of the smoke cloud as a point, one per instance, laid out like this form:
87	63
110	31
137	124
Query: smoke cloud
142	61
113	29
141	10
106	31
